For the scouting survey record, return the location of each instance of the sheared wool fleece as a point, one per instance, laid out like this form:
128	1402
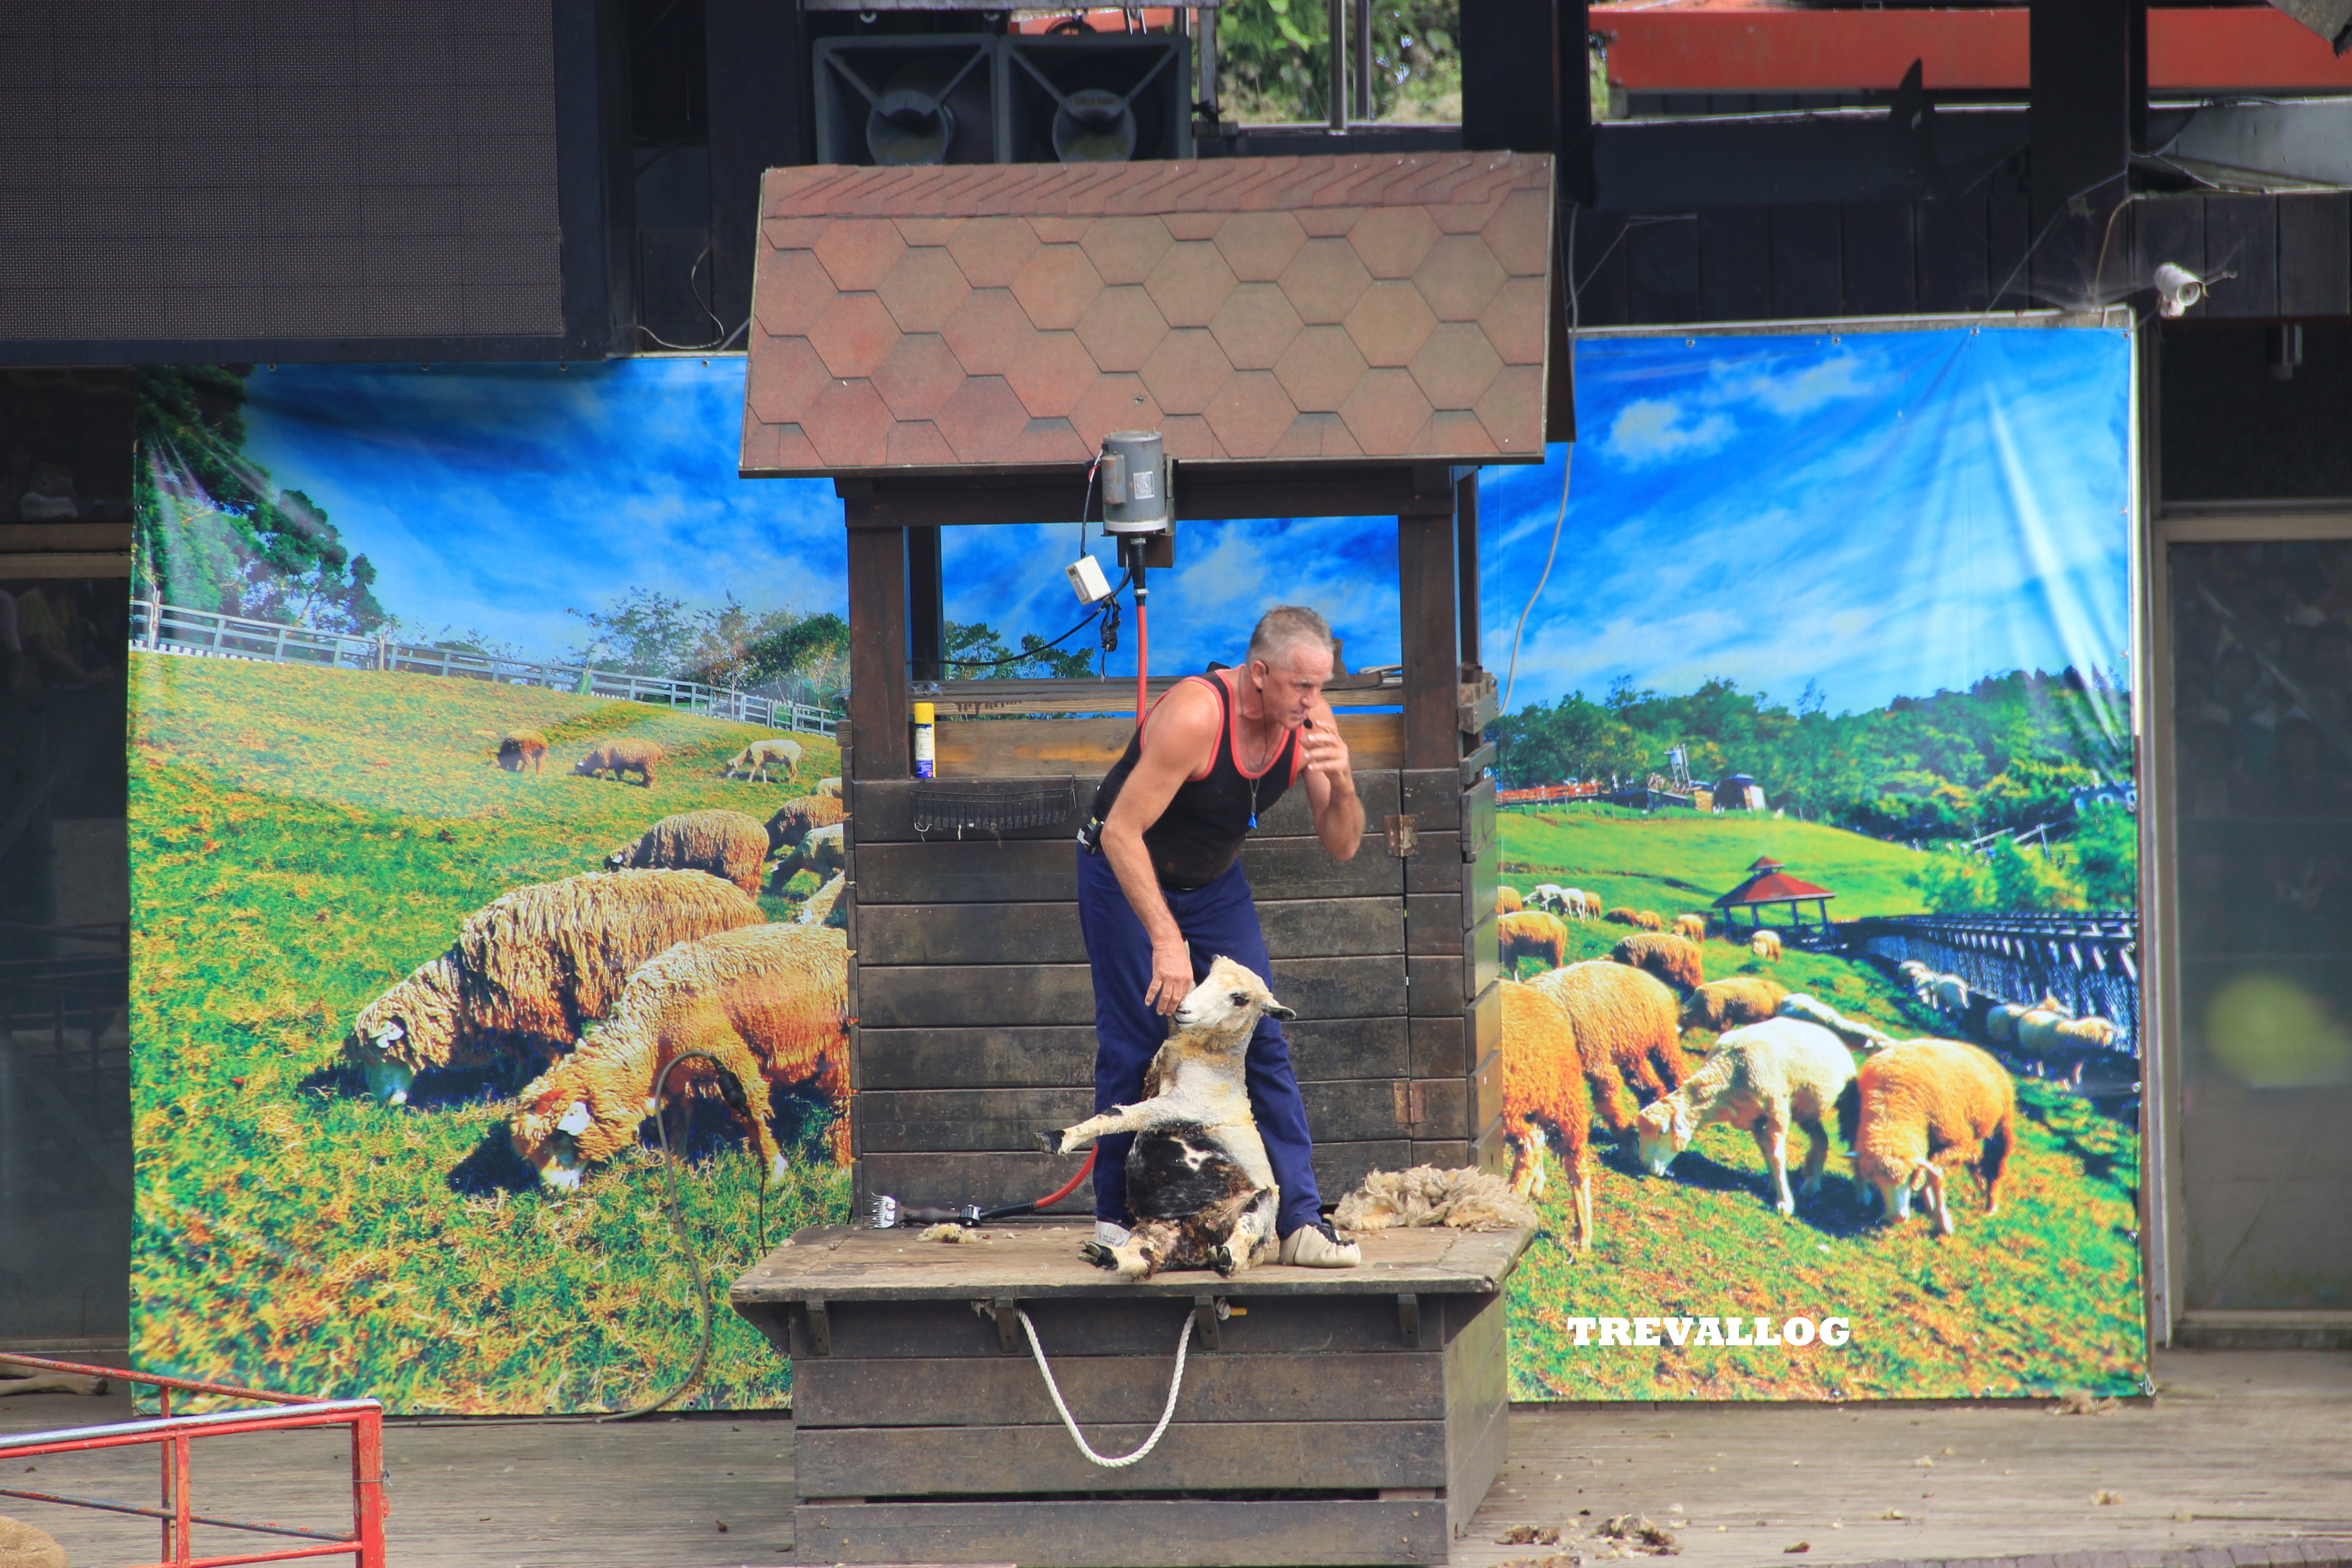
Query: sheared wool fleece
1463	1198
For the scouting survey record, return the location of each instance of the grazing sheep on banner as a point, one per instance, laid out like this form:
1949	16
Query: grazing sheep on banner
1627	1028
1545	1098
829	788
1852	1031
771	1002
824	851
819	909
1622	917
795	819
2001	1022
2043	1033
1721	1004
729	845
529	969
627	755
1764	1078
1531	933
1197	1178
1677	962
1548	897
1766	945
1507	901
1583	906
1923	1105
1691	927
522	749
1951	995
755	759
1649	920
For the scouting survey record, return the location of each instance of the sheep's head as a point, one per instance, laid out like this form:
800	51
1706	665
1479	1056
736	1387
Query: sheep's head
588	764
1895	1180
1663	1130
411	1026
545	1130
1227	1002
618	860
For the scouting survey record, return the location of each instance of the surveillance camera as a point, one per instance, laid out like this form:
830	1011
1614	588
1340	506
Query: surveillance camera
2177	288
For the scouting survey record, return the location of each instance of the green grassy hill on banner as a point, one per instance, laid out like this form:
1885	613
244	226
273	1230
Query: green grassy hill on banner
2044	1296
300	841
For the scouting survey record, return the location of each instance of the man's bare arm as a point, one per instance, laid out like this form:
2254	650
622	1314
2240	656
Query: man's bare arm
1183	735
1332	785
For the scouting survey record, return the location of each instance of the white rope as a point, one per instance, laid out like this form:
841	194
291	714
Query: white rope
1175	1387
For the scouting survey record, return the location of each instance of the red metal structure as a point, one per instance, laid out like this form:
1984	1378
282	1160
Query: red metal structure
1544	795
176	1436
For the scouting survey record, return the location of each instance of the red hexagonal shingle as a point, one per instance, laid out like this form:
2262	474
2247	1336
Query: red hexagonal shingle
773	448
1320	368
980	419
1126	249
1391	241
1255	326
992	251
1453	433
987	331
917	375
926	231
1385	412
857	251
1113	403
1047	441
1190	282
918	442
1389	323
1258	245
1324	281
1249	413
1121	327
1455	367
1512	409
1051	374
1460	278
1317	435
784	380
1328	223
1459	217
1520	234
791	292
1056	287
847	423
1515	320
1185	371
923	289
853	335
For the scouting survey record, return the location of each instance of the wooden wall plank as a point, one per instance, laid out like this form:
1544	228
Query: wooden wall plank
1661	270
1735	264
1049	934
1431	645
1806	261
1058	1055
1433	797
1007	1120
1437	869
1876	242
2240	237
2316	254
878	651
1036	871
1049	748
1482	964
940	1461
945	995
1948	255
1197	1532
886	807
1083	1326
1005	1391
1486	1090
1433	922
1478	824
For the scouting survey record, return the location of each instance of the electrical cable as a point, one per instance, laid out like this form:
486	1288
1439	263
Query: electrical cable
1567	466
1028	654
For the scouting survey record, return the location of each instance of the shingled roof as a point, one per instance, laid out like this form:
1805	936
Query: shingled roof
1008	316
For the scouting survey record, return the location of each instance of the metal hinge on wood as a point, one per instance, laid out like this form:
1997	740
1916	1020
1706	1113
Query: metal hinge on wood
1412	1102
1403	834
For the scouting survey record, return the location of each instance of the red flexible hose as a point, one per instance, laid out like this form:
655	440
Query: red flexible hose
1142	655
1066	1188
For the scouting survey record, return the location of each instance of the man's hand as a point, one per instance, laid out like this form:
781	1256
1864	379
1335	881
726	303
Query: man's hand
1171	975
1320	750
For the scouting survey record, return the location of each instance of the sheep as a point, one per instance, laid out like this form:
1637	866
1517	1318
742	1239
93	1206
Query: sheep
728	844
1627	1026
1648	919
1622	917
1507	901
1460	1197
754	760
2044	1033
818	910
1766	945
771	1002
1852	1031
625	755
824	851
1677	962
1761	1078
1950	996
521	748
1913	974
1920	1106
1545	1098
529	968
1581	905
829	788
1691	927
1548	897
793	820
1530	934
1721	1004
2001	1022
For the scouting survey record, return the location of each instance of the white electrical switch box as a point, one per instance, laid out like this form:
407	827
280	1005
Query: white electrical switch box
1086	580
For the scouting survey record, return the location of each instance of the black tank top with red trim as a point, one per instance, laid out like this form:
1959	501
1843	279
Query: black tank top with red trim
1199	836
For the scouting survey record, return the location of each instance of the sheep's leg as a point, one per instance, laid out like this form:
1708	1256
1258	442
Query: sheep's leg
1140	1118
1580	1181
1771	1134
1817	1156
1996	1150
1609	1098
1673	1063
1933	1199
1247	1219
1644	1073
1526	1158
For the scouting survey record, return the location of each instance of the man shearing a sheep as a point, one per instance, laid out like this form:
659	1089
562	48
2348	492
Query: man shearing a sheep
1161	894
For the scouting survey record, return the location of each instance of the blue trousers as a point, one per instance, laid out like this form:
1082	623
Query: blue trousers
1218	920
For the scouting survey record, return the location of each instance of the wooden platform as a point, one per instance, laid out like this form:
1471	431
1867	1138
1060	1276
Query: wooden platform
1327	1416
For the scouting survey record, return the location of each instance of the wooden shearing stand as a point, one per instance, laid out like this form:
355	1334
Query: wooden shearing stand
1336	336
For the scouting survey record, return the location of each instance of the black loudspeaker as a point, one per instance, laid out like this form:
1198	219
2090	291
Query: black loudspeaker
907	100
1094	100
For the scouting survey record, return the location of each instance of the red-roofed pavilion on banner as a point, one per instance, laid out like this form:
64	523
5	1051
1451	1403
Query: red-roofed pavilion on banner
1770	884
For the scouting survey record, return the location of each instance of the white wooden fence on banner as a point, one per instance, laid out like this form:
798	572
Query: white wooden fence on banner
175	628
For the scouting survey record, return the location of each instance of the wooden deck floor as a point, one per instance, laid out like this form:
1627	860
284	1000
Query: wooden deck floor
2239	1449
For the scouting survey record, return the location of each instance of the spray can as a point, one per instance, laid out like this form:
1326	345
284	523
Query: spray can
926	765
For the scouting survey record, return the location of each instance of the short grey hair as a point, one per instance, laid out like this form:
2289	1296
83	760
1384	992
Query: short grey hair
1285	627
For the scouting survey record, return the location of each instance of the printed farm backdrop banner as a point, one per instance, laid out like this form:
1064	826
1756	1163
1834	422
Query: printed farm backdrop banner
418	651
1818	794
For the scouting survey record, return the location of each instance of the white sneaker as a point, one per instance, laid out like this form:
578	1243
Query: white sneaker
1318	1246
1110	1235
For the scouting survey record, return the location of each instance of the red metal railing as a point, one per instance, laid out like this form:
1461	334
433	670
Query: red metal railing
1544	795
176	1436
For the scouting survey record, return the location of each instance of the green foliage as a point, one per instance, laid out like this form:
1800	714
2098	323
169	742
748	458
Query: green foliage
1954	881
976	651
2106	850
645	632
1274	59
300	839
213	531
2026	877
